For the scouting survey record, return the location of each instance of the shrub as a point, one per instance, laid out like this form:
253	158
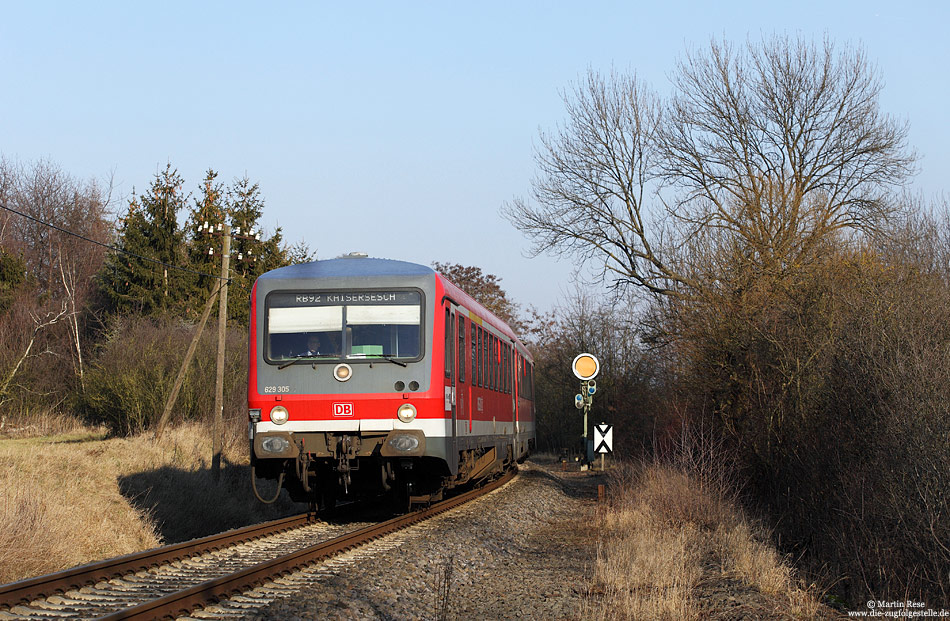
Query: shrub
136	367
832	381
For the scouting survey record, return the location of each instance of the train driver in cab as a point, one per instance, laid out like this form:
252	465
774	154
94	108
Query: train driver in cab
321	344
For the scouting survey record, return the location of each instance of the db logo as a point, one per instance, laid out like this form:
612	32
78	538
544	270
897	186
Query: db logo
343	409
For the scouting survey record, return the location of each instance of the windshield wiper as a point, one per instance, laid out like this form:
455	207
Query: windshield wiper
372	357
299	357
392	359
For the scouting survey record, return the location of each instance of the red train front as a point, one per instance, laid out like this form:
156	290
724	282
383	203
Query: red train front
370	375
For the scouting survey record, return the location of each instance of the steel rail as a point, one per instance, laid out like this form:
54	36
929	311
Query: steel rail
183	602
24	591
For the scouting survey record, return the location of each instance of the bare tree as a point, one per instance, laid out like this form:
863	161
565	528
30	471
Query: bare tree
39	324
781	146
595	181
485	288
761	153
58	270
6	181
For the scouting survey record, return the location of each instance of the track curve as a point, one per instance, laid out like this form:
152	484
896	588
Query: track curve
168	602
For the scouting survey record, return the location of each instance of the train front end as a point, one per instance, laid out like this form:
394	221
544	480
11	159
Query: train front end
340	393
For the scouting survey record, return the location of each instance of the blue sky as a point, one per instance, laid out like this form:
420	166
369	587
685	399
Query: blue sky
397	129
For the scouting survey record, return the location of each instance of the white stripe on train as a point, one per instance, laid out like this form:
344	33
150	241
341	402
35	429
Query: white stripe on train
432	428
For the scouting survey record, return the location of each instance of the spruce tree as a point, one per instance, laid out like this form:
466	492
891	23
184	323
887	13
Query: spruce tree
204	250
252	252
150	285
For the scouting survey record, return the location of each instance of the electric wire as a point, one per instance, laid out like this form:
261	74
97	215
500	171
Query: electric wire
110	247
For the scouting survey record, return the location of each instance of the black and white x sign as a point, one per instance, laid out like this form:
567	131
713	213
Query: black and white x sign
603	438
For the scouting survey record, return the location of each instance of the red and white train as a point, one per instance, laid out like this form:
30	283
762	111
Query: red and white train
371	375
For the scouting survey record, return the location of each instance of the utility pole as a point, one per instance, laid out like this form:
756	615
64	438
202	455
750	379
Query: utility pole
217	441
223	231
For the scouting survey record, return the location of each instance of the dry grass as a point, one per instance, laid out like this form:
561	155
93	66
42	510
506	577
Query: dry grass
62	506
72	499
672	548
36	424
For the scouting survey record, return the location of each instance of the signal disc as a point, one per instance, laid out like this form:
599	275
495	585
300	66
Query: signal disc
585	366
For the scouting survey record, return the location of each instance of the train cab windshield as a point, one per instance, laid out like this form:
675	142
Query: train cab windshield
316	326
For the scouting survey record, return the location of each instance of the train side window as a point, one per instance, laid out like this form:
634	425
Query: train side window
474	353
480	358
517	368
524	367
489	383
491	362
494	362
517	371
485	359
449	345
507	369
524	378
461	348
504	366
531	382
502	357
477	371
499	361
501	366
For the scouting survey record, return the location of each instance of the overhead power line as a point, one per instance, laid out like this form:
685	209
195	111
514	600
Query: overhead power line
107	246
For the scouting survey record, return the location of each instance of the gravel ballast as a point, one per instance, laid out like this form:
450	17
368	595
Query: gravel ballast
523	552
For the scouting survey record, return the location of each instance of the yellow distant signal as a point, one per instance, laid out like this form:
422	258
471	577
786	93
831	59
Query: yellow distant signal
585	366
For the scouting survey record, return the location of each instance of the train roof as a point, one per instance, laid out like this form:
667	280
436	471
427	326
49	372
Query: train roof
348	267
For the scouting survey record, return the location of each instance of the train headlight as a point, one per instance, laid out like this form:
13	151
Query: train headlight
279	415
406	412
404	443
271	444
275	444
342	372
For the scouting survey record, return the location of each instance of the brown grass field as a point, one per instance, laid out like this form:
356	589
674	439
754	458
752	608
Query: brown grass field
77	497
674	547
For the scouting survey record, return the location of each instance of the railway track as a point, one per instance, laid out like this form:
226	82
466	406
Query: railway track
175	580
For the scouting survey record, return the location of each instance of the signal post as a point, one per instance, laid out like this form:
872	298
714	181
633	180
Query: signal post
585	367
